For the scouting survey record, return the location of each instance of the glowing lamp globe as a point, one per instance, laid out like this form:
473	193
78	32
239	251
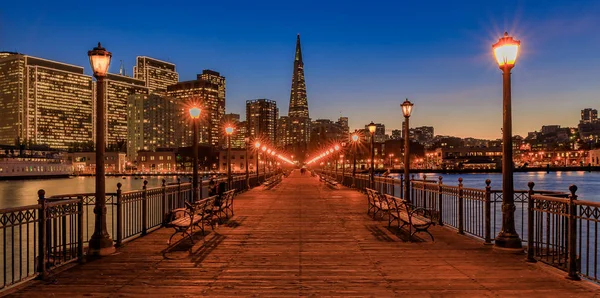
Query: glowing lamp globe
195	112
407	107
229	130
372	127
99	60
506	51
354	137
257	145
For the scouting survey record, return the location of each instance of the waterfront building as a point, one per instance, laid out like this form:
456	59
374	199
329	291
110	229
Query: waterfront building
238	161
261	120
85	162
156	74
422	134
150	123
299	119
159	161
118	89
396	134
324	132
44	102
206	93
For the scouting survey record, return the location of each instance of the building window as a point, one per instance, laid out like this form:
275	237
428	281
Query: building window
152	157
160	157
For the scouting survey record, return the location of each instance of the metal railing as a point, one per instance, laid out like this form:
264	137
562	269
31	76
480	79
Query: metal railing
37	239
555	227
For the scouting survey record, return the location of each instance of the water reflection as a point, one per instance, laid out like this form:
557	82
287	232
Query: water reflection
24	192
588	183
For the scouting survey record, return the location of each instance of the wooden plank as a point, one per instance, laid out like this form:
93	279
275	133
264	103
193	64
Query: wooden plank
303	238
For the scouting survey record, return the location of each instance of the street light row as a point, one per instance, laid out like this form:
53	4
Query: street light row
325	154
269	151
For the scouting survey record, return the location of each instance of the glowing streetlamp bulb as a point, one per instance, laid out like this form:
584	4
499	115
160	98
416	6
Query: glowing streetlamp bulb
257	145
407	107
229	130
99	60
354	137
264	148
337	147
506	51
195	112
372	128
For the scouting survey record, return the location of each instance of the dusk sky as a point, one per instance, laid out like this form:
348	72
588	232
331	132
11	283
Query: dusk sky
361	58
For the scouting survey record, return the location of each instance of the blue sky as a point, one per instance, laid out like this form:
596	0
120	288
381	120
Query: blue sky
361	58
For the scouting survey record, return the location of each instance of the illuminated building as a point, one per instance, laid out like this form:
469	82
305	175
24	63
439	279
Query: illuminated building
299	119
261	118
207	93
156	74
44	102
150	123
118	89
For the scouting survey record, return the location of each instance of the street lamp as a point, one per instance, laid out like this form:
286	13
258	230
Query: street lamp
372	128
506	51
100	243
343	161
391	162
246	143
406	111
195	115
229	132
264	149
355	139
257	149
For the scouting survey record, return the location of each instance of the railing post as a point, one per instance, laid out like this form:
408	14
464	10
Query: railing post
42	253
572	235
402	187
424	193
411	195
461	213
487	212
164	200
177	203
440	204
530	223
80	229
119	216
145	208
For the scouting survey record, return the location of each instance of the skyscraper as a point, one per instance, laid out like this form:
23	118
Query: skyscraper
118	88
156	74
261	119
205	93
150	123
44	102
299	126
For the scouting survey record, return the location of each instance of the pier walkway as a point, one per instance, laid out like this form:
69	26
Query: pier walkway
302	238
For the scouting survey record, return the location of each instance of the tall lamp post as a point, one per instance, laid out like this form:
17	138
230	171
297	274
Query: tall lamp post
264	149
506	51
257	149
372	128
406	110
343	156
337	149
229	132
195	115
100	243
246	144
355	139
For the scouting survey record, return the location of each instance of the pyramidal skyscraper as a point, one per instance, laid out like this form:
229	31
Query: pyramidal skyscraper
298	133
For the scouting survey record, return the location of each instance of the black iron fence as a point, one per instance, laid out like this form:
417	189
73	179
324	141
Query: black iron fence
37	239
555	227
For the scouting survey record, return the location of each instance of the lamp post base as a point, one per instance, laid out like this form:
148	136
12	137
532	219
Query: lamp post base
101	247
508	242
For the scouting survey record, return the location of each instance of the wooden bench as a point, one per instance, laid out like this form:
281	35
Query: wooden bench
226	204
405	213
376	203
272	181
183	220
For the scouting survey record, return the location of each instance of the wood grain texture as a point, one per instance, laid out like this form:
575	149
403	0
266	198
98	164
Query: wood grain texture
302	238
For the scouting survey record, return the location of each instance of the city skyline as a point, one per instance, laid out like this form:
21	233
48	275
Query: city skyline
446	68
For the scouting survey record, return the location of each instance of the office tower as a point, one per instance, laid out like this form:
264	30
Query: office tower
396	134
150	123
589	115
422	134
118	88
44	102
261	118
379	132
156	74
324	132
283	138
299	125
343	123
239	132
205	93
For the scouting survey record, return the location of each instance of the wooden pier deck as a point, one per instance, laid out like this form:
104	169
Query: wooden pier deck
302	238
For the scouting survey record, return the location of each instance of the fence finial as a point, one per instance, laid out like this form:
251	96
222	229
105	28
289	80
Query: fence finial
531	184
573	189
41	194
488	182
460	180
145	183
164	182
440	179
119	185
